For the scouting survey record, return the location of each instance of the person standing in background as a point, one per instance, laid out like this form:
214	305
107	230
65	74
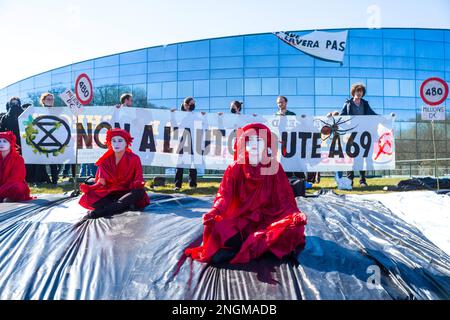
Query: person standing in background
126	100
47	101
188	105
356	106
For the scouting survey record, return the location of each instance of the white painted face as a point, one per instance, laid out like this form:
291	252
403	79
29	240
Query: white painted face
4	145
255	148
118	144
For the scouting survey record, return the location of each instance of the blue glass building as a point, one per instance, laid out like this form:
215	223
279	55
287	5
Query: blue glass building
392	63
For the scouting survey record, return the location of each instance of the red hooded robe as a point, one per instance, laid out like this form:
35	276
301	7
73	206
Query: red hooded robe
261	207
12	173
124	176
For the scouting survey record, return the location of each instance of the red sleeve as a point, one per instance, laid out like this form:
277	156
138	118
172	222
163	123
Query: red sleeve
138	179
285	194
225	192
19	172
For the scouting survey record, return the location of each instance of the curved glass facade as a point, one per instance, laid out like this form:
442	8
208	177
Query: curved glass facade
256	68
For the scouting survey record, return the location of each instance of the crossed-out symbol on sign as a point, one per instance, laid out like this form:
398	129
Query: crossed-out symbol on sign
384	145
42	124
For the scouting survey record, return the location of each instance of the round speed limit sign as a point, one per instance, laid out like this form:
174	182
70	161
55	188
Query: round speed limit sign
83	89
434	91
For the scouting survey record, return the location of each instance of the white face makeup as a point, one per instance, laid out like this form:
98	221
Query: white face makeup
118	144
255	148
4	145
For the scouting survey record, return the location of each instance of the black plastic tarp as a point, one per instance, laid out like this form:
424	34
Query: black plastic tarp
426	183
45	253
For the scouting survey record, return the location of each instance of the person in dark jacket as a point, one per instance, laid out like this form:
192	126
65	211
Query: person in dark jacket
187	105
10	121
356	106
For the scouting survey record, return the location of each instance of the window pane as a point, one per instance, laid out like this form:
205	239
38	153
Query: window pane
270	86
396	47
323	85
261	72
288	86
218	88
363	46
154	91
169	90
261	61
162	53
106	72
233	46
253	86
197	49
340	86
201	88
391	87
227	62
185	89
429	49
107	61
305	86
235	87
133	56
162	66
260	44
193	64
407	88
375	87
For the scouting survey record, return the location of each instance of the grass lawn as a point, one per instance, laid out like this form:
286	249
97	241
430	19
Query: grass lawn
376	185
209	187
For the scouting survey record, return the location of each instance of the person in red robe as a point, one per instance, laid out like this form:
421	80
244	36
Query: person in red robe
13	186
254	210
119	183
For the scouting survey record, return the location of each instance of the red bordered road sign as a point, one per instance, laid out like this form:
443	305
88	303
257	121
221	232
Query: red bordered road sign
83	89
434	91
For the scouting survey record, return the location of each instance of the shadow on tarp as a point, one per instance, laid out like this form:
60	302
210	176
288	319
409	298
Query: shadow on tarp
139	255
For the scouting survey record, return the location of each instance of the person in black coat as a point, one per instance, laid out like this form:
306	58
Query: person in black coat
187	105
356	106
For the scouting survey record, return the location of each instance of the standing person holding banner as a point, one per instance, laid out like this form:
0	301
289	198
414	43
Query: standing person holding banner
356	106
119	183
188	105
126	100
47	101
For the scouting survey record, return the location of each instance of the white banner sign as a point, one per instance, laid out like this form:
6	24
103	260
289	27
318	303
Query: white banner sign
433	113
321	44
70	99
190	139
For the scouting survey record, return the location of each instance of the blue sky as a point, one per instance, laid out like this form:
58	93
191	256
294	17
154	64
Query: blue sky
40	35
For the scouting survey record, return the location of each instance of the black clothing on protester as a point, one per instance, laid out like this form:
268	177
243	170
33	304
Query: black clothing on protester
192	178
115	203
348	110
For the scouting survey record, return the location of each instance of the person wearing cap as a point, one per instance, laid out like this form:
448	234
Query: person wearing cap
13	186
254	210
119	182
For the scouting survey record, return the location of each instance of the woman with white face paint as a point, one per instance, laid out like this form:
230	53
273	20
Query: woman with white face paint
12	171
119	183
254	210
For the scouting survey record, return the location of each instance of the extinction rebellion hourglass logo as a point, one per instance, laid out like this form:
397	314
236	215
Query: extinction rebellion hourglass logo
47	134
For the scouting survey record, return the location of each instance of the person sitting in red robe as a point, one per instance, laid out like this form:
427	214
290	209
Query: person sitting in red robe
254	210
12	171
119	183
